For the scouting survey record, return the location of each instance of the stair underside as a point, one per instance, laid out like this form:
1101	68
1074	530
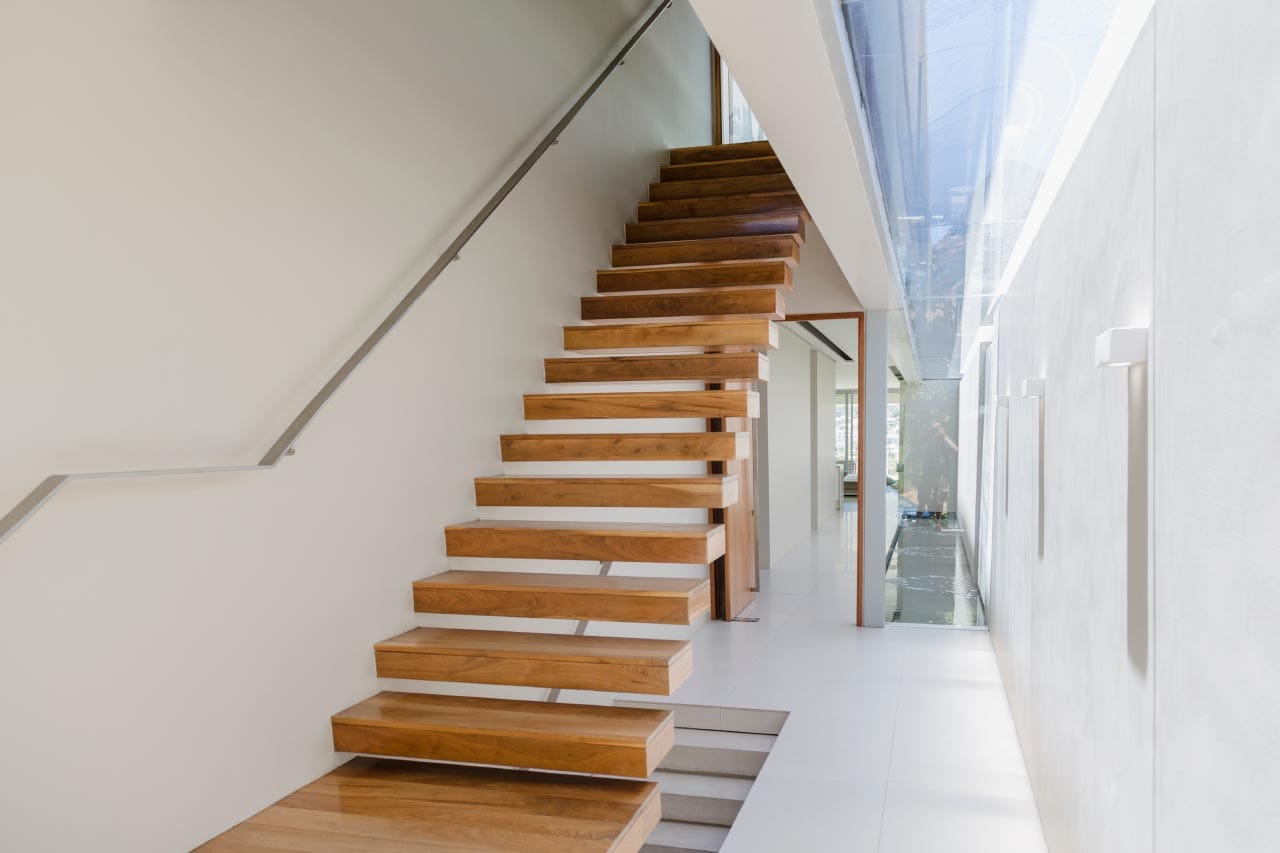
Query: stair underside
643	446
385	806
643	404
782	247
508	732
763	302
714	491
670	601
705	367
711	274
622	542
570	661
726	335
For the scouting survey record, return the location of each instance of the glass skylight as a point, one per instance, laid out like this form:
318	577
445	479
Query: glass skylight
966	101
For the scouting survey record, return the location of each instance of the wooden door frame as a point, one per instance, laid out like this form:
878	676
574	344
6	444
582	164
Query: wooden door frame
717	94
860	316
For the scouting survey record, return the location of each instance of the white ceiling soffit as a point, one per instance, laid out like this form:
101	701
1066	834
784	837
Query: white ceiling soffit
790	59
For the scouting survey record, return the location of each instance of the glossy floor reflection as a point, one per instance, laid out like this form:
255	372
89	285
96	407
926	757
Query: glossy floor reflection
900	739
929	581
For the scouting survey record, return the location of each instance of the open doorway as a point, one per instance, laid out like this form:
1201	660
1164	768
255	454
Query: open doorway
810	439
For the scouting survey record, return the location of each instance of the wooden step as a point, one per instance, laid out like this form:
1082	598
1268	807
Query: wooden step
538	735
666	601
623	542
686	208
707	187
713	491
702	304
379	805
633	447
741	225
702	366
721	169
568	661
642	404
738	334
728	151
699	275
782	247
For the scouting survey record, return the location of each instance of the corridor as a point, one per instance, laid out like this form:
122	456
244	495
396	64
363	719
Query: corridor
899	741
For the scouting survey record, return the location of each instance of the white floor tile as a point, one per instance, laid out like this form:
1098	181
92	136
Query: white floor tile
899	739
920	818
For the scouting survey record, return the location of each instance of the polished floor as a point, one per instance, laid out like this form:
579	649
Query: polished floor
900	739
929	581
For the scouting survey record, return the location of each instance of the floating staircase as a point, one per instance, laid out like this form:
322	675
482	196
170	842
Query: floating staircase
691	297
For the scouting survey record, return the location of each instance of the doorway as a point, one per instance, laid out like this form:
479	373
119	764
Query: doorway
811	441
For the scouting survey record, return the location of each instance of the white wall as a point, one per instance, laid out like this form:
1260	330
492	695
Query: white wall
1215	410
205	208
822	376
1061	610
1143	677
789	430
968	464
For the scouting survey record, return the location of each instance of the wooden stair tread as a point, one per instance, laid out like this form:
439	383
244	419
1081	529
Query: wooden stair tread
723	151
706	227
704	366
669	601
594	584
641	446
736	167
715	303
568	661
498	717
732	249
521	645
710	274
749	333
508	732
720	205
382	805
625	542
642	404
713	491
711	187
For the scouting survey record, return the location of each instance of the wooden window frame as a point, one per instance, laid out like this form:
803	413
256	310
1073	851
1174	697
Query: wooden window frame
717	98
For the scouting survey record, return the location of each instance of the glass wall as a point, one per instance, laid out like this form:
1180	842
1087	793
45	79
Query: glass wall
966	101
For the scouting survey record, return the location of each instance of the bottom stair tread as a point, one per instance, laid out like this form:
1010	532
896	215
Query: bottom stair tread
381	805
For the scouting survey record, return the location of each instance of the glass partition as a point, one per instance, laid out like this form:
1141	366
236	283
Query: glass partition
966	101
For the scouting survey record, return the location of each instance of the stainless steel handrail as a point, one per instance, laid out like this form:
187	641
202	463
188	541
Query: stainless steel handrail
283	446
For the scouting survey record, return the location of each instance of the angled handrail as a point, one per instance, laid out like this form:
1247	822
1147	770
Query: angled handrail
283	446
